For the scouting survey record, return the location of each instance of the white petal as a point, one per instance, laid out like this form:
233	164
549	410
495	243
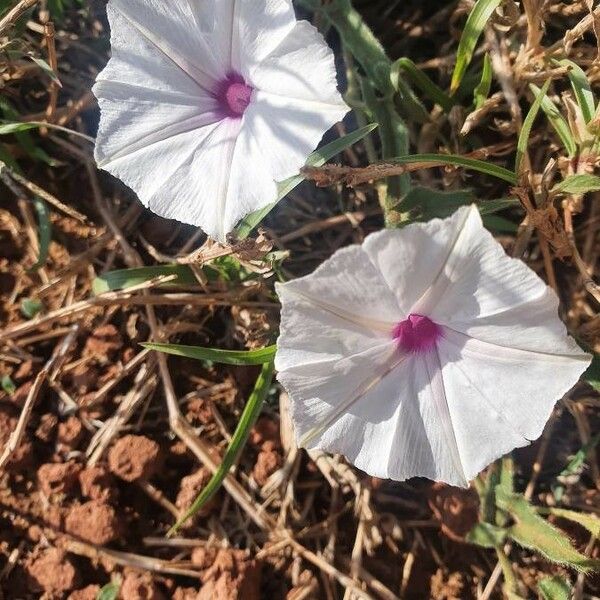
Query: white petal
159	45
410	258
345	287
258	28
301	68
500	398
478	278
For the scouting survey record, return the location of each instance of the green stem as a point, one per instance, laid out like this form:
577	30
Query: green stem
378	93
510	581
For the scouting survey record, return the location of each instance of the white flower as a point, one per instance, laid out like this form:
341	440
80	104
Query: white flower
426	351
205	104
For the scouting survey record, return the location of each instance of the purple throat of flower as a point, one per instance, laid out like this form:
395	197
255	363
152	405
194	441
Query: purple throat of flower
417	334
233	95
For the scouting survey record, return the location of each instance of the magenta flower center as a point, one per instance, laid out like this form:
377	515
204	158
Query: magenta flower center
417	334
233	95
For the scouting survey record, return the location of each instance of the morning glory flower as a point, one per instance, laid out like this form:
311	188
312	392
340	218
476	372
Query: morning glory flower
425	351
205	104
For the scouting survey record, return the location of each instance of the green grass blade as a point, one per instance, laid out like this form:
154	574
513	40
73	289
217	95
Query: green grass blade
527	127
317	159
482	91
238	441
8	128
558	122
554	588
474	26
458	161
44	232
227	357
424	83
578	184
126	278
582	89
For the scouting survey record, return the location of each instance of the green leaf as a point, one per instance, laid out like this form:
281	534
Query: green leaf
554	588
592	375
46	68
474	26
525	133
424	83
44	232
482	91
238	441
578	184
228	357
588	521
425	203
459	161
317	159
126	278
535	533
558	122
581	87
8	385
6	127
486	535
30	307
109	592
499	224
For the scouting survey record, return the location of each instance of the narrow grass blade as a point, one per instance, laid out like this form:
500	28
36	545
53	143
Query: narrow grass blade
424	83
317	159
238	441
482	91
126	278
459	161
44	232
582	88
8	128
228	357
554	588
527	127
578	184
558	122
474	26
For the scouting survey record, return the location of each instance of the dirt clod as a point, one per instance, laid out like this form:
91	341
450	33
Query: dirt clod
455	508
267	462
58	478
190	487
134	457
70	432
139	586
94	522
22	456
97	483
52	572
232	576
89	592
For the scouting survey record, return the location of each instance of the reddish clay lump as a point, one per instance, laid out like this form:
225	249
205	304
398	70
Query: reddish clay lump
21	457
189	489
70	432
52	572
87	593
94	522
134	457
231	576
97	484
455	508
58	478
139	586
